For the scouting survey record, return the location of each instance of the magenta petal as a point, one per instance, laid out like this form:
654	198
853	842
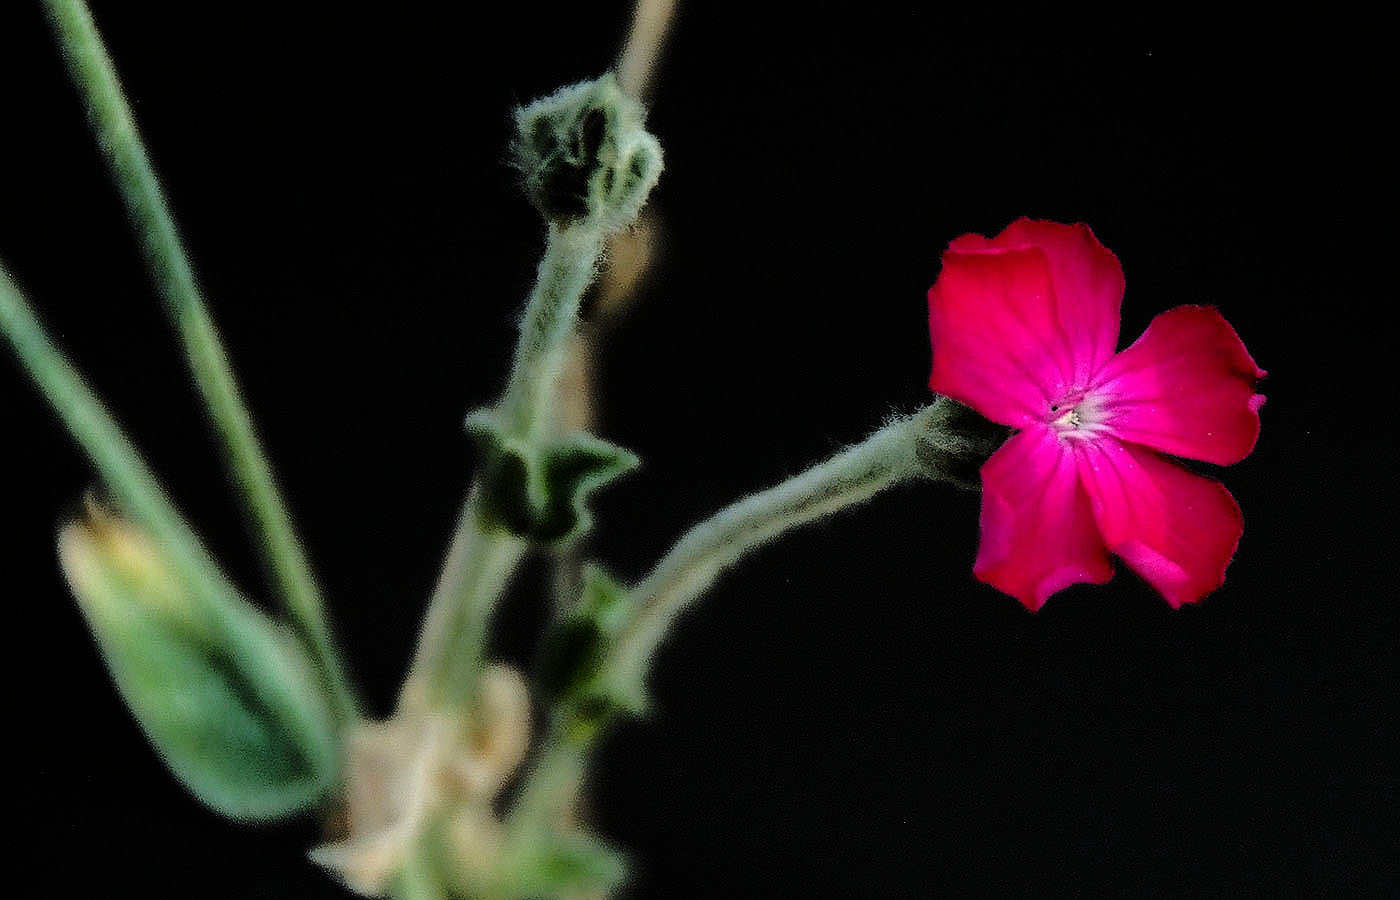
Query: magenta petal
997	345
1186	387
1088	281
1038	531
1174	528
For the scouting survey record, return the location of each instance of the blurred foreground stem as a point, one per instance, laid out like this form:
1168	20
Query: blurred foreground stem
123	470
115	128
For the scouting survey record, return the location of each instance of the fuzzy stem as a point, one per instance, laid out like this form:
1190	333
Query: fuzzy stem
417	881
852	476
451	644
569	264
115	129
480	561
555	777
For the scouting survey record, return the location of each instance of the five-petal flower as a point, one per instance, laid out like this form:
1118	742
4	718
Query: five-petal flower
1024	328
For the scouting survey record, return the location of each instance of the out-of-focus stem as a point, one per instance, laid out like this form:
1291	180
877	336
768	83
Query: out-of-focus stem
115	128
121	465
555	776
451	644
125	473
651	19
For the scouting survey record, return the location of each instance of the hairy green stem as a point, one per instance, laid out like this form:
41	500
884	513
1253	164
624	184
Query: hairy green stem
115	128
555	776
569	265
121	465
481	560
417	881
451	645
852	476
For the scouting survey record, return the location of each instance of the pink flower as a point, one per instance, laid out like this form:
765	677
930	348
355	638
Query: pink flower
1024	328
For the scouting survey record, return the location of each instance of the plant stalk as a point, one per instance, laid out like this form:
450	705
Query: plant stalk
852	476
115	128
480	561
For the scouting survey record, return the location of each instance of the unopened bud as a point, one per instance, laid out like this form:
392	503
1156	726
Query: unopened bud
585	157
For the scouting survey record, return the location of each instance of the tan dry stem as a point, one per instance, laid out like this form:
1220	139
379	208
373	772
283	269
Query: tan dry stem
651	19
400	774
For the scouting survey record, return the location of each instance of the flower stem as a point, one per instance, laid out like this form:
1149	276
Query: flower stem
115	128
481	560
854	475
555	777
569	264
126	474
850	477
452	642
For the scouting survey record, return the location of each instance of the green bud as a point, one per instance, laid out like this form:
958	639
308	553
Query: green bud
226	696
585	157
538	489
575	648
954	441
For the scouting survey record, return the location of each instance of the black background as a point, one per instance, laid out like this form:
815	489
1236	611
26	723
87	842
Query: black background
849	713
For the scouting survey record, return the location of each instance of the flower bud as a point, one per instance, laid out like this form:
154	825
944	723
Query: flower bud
574	650
585	157
226	696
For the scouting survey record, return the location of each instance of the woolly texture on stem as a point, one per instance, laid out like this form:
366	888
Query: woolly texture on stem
481	560
935	442
569	264
703	553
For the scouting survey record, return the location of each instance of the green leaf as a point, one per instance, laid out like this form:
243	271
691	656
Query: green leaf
539	491
226	696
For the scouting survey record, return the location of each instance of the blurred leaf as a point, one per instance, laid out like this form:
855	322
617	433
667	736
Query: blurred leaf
551	863
227	696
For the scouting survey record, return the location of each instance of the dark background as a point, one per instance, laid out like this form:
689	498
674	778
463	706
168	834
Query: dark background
849	713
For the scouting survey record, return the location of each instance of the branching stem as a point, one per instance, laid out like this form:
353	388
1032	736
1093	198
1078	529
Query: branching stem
852	476
481	560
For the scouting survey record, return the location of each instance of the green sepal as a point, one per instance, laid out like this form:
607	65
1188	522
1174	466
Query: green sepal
226	696
549	863
584	156
954	441
573	652
538	490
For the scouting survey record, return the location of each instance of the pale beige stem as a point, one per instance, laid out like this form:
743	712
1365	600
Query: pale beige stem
651	19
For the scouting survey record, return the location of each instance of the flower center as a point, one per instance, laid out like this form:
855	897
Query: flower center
1079	415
